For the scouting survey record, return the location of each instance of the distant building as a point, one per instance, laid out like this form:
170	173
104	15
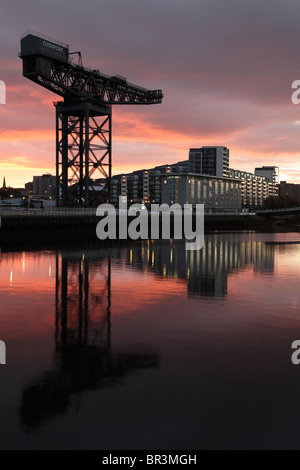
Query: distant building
213	161
254	189
29	187
42	203
155	178
217	194
134	186
11	202
145	186
44	185
272	174
289	189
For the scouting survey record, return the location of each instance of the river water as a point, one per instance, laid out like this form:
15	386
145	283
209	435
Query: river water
147	346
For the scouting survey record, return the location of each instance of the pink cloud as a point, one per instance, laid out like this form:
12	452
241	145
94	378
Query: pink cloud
226	70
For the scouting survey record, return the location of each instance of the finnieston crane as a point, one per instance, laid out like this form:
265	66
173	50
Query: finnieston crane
84	117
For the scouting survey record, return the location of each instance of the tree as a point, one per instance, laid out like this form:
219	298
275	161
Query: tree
282	202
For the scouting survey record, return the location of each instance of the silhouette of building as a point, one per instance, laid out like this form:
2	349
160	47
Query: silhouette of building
289	189
29	187
44	185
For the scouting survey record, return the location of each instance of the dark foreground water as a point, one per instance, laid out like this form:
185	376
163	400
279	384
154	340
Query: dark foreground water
147	346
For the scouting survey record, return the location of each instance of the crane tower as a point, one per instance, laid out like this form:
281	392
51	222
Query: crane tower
84	117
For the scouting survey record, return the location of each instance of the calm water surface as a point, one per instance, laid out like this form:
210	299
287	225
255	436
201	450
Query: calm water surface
146	346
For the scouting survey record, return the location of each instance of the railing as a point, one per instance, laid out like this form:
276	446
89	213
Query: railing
100	74
48	212
274	211
82	212
47	38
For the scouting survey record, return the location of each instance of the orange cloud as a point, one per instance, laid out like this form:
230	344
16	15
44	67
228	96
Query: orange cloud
11	135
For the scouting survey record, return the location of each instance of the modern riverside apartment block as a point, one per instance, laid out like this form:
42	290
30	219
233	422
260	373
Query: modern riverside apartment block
213	161
217	194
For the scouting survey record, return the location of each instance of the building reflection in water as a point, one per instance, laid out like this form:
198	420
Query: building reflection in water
206	271
85	358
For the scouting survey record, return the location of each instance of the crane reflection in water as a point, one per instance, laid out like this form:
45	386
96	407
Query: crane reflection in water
84	357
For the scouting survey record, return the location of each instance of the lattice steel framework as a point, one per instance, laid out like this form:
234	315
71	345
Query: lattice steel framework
83	147
83	301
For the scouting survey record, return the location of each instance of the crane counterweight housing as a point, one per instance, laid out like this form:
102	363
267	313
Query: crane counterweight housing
83	119
31	44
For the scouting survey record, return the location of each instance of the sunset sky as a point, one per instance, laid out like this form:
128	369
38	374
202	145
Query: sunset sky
225	68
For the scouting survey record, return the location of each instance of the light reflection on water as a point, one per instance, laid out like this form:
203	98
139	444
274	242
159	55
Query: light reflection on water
149	346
